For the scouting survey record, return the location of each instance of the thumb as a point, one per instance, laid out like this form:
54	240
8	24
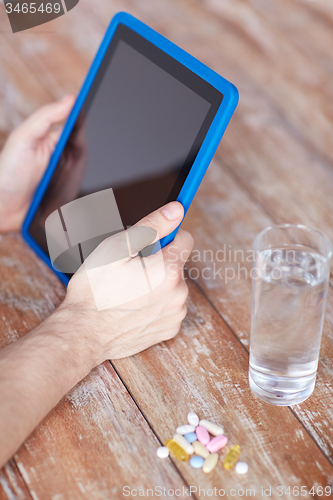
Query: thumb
155	226
165	219
128	243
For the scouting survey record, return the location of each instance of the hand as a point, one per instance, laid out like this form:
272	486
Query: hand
24	159
132	327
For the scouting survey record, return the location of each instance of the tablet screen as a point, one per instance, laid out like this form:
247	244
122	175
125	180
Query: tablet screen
139	131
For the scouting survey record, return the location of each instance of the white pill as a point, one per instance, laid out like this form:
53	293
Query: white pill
213	429
185	429
162	452
193	419
183	443
241	467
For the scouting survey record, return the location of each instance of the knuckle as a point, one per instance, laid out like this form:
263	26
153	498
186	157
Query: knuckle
177	279
184	291
188	239
170	334
180	250
173	276
183	312
180	296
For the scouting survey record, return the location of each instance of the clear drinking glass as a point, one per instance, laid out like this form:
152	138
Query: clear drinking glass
288	305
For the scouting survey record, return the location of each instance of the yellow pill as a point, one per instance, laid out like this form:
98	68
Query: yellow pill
232	457
210	463
183	443
176	450
200	449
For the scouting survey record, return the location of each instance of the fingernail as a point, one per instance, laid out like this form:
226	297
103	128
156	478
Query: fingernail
172	211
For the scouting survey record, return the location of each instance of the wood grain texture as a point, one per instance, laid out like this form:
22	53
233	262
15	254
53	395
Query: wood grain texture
227	211
12	486
29	292
93	444
205	369
274	165
95	441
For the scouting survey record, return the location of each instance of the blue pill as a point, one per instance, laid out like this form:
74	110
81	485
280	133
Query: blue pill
197	462
191	437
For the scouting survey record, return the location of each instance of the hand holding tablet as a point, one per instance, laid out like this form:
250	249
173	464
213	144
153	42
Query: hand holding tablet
145	125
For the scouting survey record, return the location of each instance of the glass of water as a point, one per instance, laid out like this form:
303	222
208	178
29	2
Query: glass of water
288	305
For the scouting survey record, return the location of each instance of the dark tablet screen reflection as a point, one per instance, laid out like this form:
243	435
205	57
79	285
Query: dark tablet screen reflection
138	132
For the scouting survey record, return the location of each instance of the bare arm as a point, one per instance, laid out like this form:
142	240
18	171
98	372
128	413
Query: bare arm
35	372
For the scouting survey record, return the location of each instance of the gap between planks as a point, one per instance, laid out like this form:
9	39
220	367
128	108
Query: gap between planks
149	424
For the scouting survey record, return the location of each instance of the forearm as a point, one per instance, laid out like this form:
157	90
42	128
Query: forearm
35	373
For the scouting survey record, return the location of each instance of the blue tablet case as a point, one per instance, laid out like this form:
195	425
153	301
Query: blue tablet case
208	147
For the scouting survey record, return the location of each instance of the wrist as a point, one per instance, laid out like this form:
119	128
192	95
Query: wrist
67	336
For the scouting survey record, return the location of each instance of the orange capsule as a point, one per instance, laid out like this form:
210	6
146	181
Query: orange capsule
176	450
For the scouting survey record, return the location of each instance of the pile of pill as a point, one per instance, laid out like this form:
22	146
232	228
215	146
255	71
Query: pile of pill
194	439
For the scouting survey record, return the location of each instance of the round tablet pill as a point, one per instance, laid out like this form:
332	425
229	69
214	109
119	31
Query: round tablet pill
193	419
191	437
241	467
162	452
197	462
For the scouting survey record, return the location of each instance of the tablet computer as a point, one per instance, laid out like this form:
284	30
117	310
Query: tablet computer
146	123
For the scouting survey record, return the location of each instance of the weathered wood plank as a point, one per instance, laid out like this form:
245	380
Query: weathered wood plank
29	292
306	25
301	86
20	89
12	486
223	217
95	441
205	369
94	444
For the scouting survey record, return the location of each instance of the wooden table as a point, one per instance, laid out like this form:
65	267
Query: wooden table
274	165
